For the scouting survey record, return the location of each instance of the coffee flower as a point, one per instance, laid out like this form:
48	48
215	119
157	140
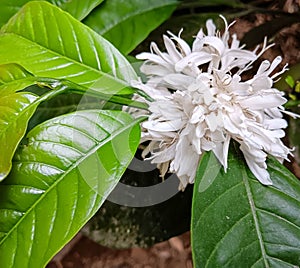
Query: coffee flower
201	101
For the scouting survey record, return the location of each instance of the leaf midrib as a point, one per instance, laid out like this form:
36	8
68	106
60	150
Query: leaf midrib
74	165
68	59
254	215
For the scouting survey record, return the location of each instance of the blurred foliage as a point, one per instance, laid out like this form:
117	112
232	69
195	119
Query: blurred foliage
191	15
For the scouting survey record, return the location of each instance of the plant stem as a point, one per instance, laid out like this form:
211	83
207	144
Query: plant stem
63	86
113	98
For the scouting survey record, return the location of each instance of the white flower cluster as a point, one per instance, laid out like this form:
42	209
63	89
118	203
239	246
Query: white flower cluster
201	102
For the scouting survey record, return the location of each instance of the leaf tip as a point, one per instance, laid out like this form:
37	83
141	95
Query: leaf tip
3	175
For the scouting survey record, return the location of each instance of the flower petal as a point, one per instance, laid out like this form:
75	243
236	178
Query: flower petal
179	81
171	49
211	27
193	59
184	47
259	102
221	152
275	123
258	170
215	42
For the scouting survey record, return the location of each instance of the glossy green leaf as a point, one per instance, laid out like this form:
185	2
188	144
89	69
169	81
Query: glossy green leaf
60	177
127	23
16	108
238	222
13	78
49	42
77	8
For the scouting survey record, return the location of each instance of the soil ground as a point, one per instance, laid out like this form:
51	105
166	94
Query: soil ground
84	253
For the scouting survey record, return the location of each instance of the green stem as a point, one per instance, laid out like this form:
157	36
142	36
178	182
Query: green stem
61	86
112	98
53	93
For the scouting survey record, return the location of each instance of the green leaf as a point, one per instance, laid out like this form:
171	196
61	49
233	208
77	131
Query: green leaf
60	178
127	23
77	8
16	108
9	8
14	77
238	222
294	72
49	42
290	81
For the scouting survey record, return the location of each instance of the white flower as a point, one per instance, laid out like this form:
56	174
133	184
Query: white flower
201	102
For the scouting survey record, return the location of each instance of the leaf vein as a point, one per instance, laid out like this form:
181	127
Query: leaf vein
59	34
67	171
218	199
224	236
279	217
239	253
255	216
